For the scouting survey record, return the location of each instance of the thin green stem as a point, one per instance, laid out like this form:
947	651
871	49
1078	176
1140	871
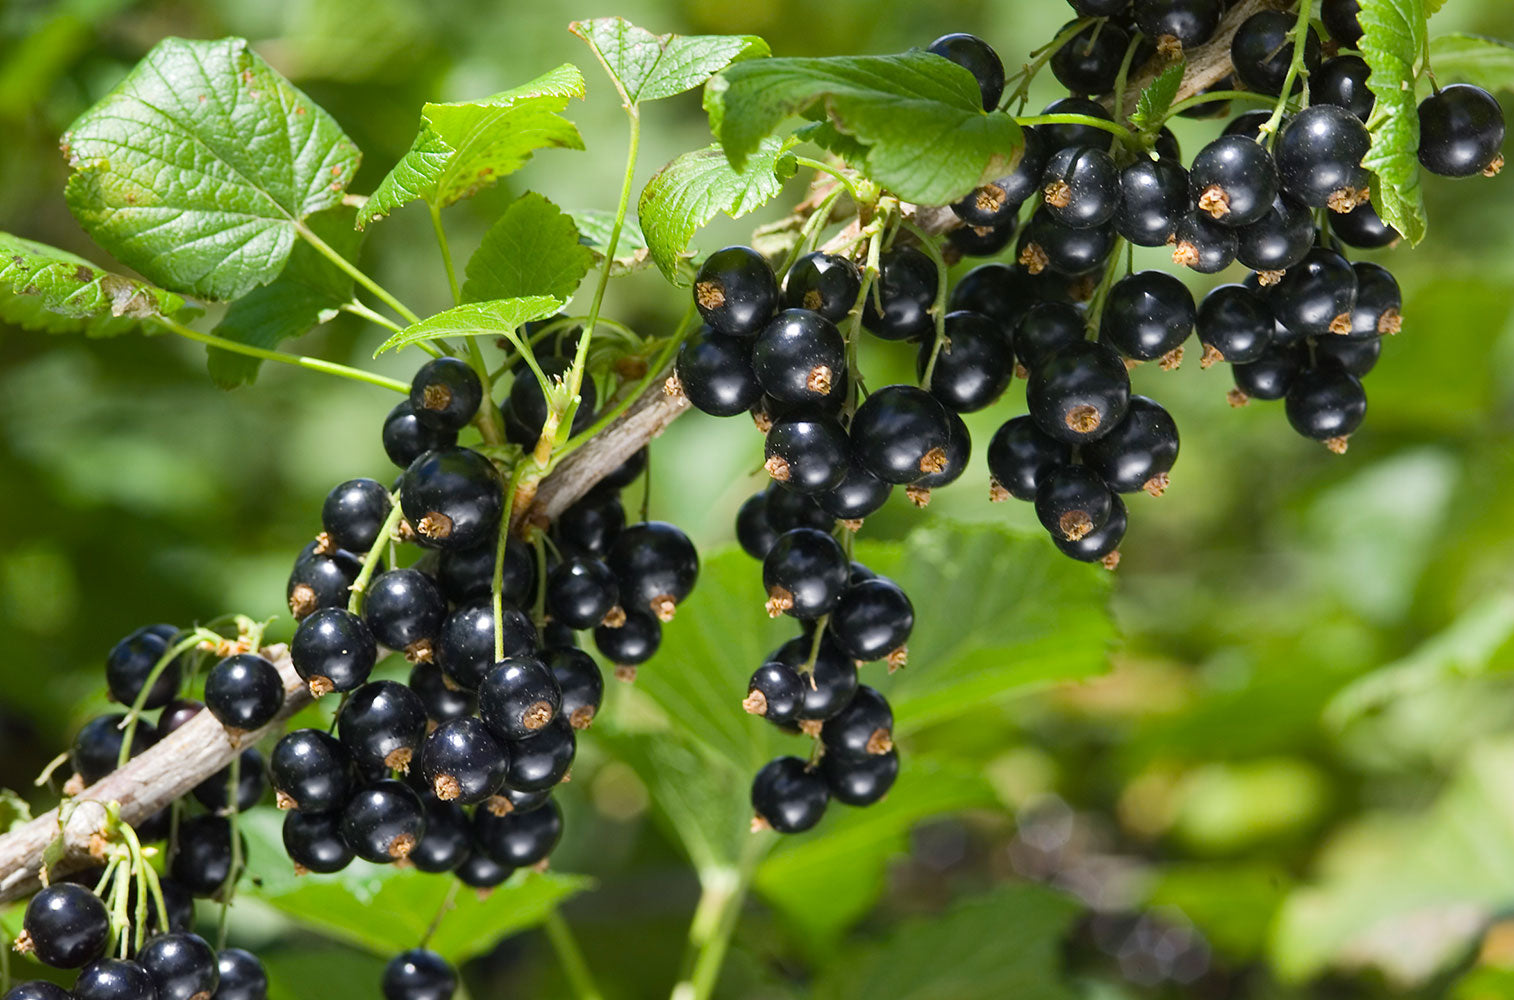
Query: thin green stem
1129	138
1100	294
379	291
357	308
229	887
441	242
490	424
1042	57
846	182
539	608
1209	96
375	551
1301	29
135	712
723	893
299	360
1123	78
448	902
939	306
501	544
812	225
570	956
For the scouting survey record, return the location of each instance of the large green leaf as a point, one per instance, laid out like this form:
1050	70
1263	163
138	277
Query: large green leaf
1487	62
44	288
1006	943
532	249
920	116
688	192
475	319
305	295
646	67
1393	38
386	909
469	145
199	167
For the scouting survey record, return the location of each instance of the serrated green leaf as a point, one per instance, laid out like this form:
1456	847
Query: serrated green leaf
14	810
1393	38
466	146
647	67
44	288
532	249
594	227
304	296
1153	102
689	191
475	319
920	116
199	167
701	798
1487	62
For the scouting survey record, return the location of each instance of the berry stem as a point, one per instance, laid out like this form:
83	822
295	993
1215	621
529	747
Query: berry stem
1209	96
1129	138
229	887
570	956
441	242
539	607
1101	293
840	175
357	308
723	892
370	560
379	291
1123	78
135	712
1042	56
816	222
1301	28
939	306
300	360
497	587
489	423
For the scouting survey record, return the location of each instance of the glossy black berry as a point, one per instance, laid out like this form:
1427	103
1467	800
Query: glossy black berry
1342	81
244	692
333	650
630	644
176	713
804	573
67	924
580	592
1350	354
442	700
581	684
1081	187
311	771
959	445
1185	22
1235	323
1326	404
1153	197
1099	8
860	781
1019	456
832	679
1046	328
900	433
800	358
1262	51
354	512
1073	500
590	526
1055	137
465	649
1316	297
452	497
656	566
1080	393
1047	243
1279	239
480	871
97	745
906	288
320	579
1147	315
519	839
1319	156
1089	62
978	58
997	201
1233	180
1204	245
405	437
973	366
754	531
1102	543
419	974
37	989
527	405
715	371
383	822
1249	123
1269	376
1379	302
1461	130
982	241
775	692
865	727
823	283
448	838
314	841
214	793
131	662
468	575
381	725
788	796
736	291
203	859
860	493
404	610
872	619
1363	228
242	976
787	510
519	697
114	979
1140	452
445	394
542	759
1340	17
461	762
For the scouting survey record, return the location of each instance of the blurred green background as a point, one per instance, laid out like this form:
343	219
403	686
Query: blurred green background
1295	776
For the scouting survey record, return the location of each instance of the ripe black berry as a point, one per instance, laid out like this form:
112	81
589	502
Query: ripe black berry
321	579
900	433
804	574
66	925
1019	456
114	979
405	611
1047	328
753	530
865	727
1073	500
465	649
1279	239
1233	180
37	989
1079	393
736	291
1148	315
97	745
715	372
906	287
1379	302
982	241
974	365
468	575
775	692
978	58
959	445
203	859
860	781
1101	544
992	203
447	840
311	771
244	692
1185	22
517	838
590	526
214	793
1340	17
242	976
453	498
1089	62
1262	51
1139	453
1234	323
1316	297
1081	187
1362	227
632	643
872	619
823	283
860	493
580	592
314	841
1099	8
353	513
542	759
519	697
383	822
1461	130
1342	81
656	566
1047	243
1350	354
333	650
787	510
1204	245
1319	155
832	679
581	684
461	762
788	796
445	394
1326	404
1055	137
176	713
1269	376
131	661
405	437
1153	197
381	725
800	357
442	701
419	974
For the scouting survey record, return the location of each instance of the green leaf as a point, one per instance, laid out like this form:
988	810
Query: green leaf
647	67
701	798
920	116
44	288
199	167
1487	62
385	909
1393	38
688	192
475	319
304	296
532	249
1232	903
469	145
14	810
594	227
825	882
1006	943
1153	102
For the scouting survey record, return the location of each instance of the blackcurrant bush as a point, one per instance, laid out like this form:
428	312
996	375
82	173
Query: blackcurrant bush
1081	187
312	771
214	793
65	926
1362	227
1046	243
131	662
242	976
1204	245
1269	376
1379	302
460	761
860	781
800	357
872	619
1153	197
1340	17
354	512
381	725
202	860
753	530
860	493
656	566
419	974
445	394
1350	354
314	842
1080	393
1019	456
442	700
333	650
519	697
1073	500
447	840
992	203
580	592
775	692
1343	81
1186	22
453	498
244	692
590	526
383	822
1055	137
1148	315
906	290
1089	62
1139	453
465	650
519	839
1262	51
1319	158
1046	328
823	283
1233	180
788	796
542	759
865	727
404	611
405	437
1101	544
633	643
1461	130
1234	324
97	745
1316	297
1279	239
715	372
736	291
978	58
900	433
114	979
973	366
787	510
1326	404
581	684
320	579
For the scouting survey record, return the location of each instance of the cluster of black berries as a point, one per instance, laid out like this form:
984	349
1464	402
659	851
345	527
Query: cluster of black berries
66	926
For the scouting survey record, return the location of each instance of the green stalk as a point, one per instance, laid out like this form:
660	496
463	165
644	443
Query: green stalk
503	541
1217	95
1042	57
135	712
1295	67
488	421
570	956
1123	78
379	292
721	898
370	560
441	242
228	888
1129	138
939	307
299	360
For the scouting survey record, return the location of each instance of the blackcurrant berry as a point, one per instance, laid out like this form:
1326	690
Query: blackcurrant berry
447	840
465	650
242	976
1099	8
314	842
419	974
404	611
37	989
1148	315
1019	456
244	692
634	642
1212	109
65	925
453	498
906	288
1319	158
1140	452
973	366
131	662
203	859
1249	123
480	871
443	700
1340	17
1080	393
1262	51
320	579
832	676
353	513
982	241
900	433
1461	130
1326	404
114	979
860	781
823	283
214	793
865	727
1379	303
804	574
580	592
959	446
176	713
1089	62
1101	544
656	566
312	771
1233	180
1153	197
445	394
775	692
715	372
1269	376
800	357
1363	228
97	745
519	839
753	530
1055	137
978	58
861	493
460	761
1081	187
736	291
1186	23
590	526
1046	243
1047	328
1316	297
872	619
519	697
468	575
381	725
1350	354
992	203
1343	81
1234	324
383	822
1204	245
405	437
787	510
1279	239
581	684
788	796
333	650
1073	500
542	759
